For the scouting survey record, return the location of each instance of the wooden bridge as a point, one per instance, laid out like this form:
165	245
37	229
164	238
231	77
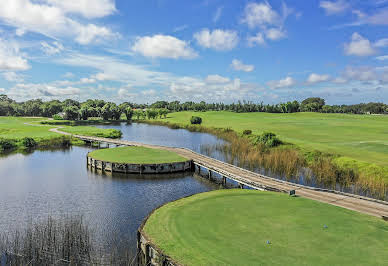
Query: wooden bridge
257	181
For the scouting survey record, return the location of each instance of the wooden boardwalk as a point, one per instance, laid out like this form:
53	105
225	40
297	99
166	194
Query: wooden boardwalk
257	181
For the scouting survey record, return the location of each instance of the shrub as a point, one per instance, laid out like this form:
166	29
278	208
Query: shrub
6	144
247	132
28	142
196	120
57	117
269	139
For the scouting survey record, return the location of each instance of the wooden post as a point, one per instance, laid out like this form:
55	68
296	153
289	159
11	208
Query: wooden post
210	174
107	144
241	185
224	180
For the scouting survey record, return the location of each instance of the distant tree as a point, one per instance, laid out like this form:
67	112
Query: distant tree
196	120
128	113
84	112
51	108
71	102
313	104
106	112
71	112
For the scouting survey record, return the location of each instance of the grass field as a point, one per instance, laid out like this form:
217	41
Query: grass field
360	137
232	227
136	155
15	129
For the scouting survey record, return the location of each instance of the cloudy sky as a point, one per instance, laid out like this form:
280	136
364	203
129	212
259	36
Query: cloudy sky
211	50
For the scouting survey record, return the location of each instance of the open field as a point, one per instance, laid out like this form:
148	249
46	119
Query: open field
233	227
360	137
15	129
136	155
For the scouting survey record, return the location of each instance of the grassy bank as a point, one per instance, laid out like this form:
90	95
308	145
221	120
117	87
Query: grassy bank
18	133
242	227
136	155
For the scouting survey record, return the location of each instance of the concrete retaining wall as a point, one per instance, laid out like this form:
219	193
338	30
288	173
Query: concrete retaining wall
163	168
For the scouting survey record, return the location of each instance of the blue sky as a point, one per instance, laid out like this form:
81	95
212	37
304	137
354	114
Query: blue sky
211	50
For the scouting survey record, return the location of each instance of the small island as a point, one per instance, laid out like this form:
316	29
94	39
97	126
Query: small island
138	160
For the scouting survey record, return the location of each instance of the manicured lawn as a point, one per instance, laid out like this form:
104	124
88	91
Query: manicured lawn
360	137
136	155
232	227
15	128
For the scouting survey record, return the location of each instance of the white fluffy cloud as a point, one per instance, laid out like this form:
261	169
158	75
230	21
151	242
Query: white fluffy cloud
257	39
216	79
50	18
11	58
283	83
163	46
51	49
382	43
359	46
275	34
240	66
12	77
218	39
334	7
260	15
316	78
86	8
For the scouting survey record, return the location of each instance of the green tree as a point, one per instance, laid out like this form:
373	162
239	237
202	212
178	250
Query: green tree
71	112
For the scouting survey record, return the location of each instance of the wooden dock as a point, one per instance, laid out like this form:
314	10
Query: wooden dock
244	177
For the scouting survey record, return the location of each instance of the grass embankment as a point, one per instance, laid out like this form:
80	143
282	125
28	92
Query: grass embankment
357	142
14	130
136	155
232	227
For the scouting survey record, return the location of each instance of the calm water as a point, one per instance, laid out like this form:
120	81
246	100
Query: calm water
58	183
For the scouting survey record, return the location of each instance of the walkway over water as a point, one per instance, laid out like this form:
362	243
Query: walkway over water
257	181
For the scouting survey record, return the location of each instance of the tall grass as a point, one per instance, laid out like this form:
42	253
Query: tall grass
68	241
288	162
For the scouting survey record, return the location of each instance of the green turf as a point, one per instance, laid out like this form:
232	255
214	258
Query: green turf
360	137
15	128
232	227
136	155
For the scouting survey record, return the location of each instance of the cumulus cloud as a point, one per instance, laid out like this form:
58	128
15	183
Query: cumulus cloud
218	39
283	83
334	7
51	49
240	66
382	43
11	58
163	46
86	8
316	78
364	73
51	19
216	79
359	46
275	34
257	39
12	77
382	58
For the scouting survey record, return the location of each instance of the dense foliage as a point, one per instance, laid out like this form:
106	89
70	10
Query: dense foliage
74	110
196	120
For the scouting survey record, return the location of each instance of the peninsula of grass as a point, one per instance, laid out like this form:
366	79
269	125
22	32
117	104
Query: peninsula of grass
136	155
244	227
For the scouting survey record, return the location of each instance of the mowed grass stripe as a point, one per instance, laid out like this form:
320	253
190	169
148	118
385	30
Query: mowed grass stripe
233	226
136	155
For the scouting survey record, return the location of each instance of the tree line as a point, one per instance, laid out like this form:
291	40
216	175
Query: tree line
74	110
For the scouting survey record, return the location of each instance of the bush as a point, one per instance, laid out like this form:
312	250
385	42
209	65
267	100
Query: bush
269	139
196	120
247	132
57	117
6	144
28	142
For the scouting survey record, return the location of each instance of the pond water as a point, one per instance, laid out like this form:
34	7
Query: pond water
58	183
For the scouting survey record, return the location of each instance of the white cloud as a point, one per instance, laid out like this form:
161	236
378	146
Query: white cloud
316	78
283	83
54	48
218	39
51	20
260	15
11	57
12	77
25	91
257	39
275	34
218	14
360	73
382	58
382	42
163	46
240	66
101	76
86	8
69	75
87	80
359	46
334	7
216	79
